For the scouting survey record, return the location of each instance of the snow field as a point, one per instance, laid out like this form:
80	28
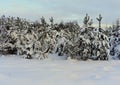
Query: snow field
15	70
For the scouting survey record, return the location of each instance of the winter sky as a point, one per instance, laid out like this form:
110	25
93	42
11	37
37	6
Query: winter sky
62	9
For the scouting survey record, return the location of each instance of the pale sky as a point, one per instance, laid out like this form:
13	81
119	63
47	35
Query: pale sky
66	10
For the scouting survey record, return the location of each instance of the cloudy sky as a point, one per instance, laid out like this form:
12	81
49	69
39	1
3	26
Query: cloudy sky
62	9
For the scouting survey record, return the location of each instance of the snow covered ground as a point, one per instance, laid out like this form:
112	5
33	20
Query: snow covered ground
18	71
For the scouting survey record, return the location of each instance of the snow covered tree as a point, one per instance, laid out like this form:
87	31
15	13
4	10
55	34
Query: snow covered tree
114	40
100	46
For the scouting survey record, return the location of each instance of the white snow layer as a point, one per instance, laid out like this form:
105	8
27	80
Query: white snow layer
15	70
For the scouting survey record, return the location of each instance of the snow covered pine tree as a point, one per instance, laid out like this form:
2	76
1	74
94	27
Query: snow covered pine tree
114	40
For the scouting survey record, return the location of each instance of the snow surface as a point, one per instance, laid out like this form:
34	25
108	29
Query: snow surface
14	70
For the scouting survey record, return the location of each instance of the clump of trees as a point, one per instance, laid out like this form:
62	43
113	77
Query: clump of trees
39	39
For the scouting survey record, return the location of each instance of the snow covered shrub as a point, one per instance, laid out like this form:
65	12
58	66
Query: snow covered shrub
100	46
95	44
114	40
8	41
